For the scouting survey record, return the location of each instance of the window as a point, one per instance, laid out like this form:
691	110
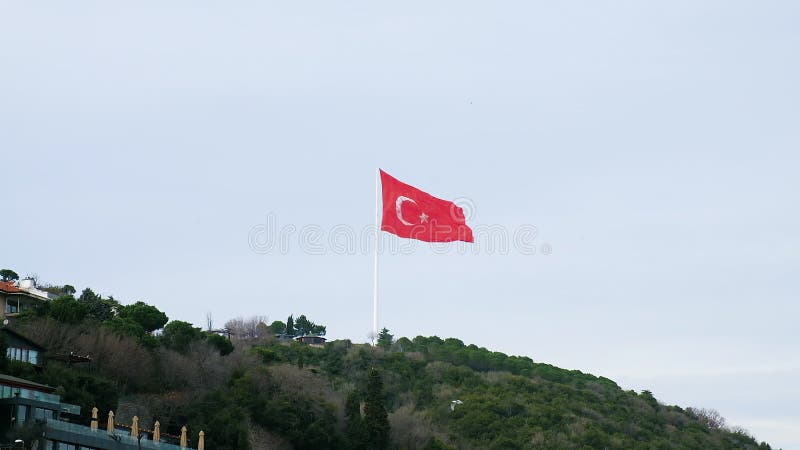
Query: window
22	415
23	354
43	414
12	306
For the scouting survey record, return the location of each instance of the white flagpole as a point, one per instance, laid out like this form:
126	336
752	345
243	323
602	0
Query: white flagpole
375	284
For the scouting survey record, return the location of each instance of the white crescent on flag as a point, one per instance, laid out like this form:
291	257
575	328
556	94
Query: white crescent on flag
398	208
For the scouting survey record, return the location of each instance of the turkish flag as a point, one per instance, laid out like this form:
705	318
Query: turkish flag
411	213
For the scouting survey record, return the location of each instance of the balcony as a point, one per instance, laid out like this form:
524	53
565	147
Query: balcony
119	436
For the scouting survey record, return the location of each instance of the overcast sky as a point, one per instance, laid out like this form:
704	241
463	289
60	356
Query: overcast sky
654	146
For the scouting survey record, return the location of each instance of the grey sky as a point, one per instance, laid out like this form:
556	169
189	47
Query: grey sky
654	145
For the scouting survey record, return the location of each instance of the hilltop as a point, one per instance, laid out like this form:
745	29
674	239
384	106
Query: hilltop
263	390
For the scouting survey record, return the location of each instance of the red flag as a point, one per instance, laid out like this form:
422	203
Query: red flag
411	213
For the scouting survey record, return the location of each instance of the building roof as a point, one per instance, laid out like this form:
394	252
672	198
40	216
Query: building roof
308	336
25	383
9	288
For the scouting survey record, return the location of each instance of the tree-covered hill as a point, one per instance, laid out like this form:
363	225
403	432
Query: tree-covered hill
264	392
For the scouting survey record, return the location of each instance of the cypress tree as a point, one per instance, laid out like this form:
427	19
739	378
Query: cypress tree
385	339
354	427
376	420
290	326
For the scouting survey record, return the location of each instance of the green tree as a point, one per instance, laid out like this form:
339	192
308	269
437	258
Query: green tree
404	344
303	326
96	306
59	290
124	326
385	339
221	343
647	396
290	326
66	309
376	419
354	424
149	317
436	444
88	295
225	424
277	327
8	275
178	335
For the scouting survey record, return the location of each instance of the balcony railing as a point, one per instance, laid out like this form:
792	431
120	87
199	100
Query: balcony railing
9	392
118	436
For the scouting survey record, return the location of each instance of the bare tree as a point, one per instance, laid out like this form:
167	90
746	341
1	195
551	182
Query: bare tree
253	323
118	357
711	418
55	336
242	328
208	367
236	327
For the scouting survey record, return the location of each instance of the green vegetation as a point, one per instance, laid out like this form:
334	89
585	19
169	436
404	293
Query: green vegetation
222	344
8	275
303	326
385	339
178	335
376	420
146	316
290	326
66	309
424	392
97	307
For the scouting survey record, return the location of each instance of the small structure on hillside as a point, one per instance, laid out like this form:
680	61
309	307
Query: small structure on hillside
224	332
21	348
18	297
312	340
